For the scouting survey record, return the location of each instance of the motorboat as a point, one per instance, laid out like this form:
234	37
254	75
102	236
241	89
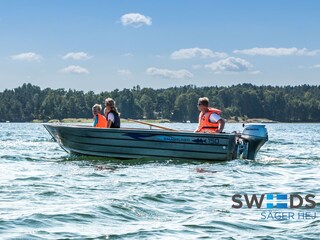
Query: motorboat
131	143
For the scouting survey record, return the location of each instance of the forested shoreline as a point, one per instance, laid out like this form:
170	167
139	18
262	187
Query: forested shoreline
285	104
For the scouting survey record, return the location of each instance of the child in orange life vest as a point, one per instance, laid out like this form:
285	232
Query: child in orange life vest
98	119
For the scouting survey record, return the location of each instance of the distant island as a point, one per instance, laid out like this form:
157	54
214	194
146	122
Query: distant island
239	103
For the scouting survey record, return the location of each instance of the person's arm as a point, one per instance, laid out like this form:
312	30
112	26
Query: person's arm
217	118
198	128
95	120
221	125
110	119
109	123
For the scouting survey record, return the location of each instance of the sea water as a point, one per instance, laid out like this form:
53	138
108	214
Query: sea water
45	193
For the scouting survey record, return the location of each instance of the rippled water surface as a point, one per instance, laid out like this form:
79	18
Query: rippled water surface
47	194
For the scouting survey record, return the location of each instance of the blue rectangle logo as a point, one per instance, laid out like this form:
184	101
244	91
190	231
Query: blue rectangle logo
282	196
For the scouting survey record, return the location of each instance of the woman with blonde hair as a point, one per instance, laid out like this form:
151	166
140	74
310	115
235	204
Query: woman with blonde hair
112	114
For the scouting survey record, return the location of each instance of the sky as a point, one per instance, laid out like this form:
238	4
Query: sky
98	45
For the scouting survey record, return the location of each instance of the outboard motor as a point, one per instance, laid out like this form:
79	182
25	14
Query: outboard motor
253	136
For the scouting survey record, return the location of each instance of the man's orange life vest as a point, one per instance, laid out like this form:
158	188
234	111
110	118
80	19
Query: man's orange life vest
102	122
204	121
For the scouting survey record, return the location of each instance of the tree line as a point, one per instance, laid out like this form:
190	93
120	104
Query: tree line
285	103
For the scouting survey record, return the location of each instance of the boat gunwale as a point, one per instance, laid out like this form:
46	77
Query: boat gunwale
156	131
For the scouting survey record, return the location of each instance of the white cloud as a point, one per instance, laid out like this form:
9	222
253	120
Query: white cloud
135	20
316	66
29	56
167	73
188	53
74	69
255	72
278	52
124	72
196	66
128	55
230	64
77	56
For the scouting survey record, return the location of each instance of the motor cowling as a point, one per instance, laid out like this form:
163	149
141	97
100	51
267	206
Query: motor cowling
252	138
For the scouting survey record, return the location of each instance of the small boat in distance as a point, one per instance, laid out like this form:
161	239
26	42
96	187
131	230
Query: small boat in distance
129	143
